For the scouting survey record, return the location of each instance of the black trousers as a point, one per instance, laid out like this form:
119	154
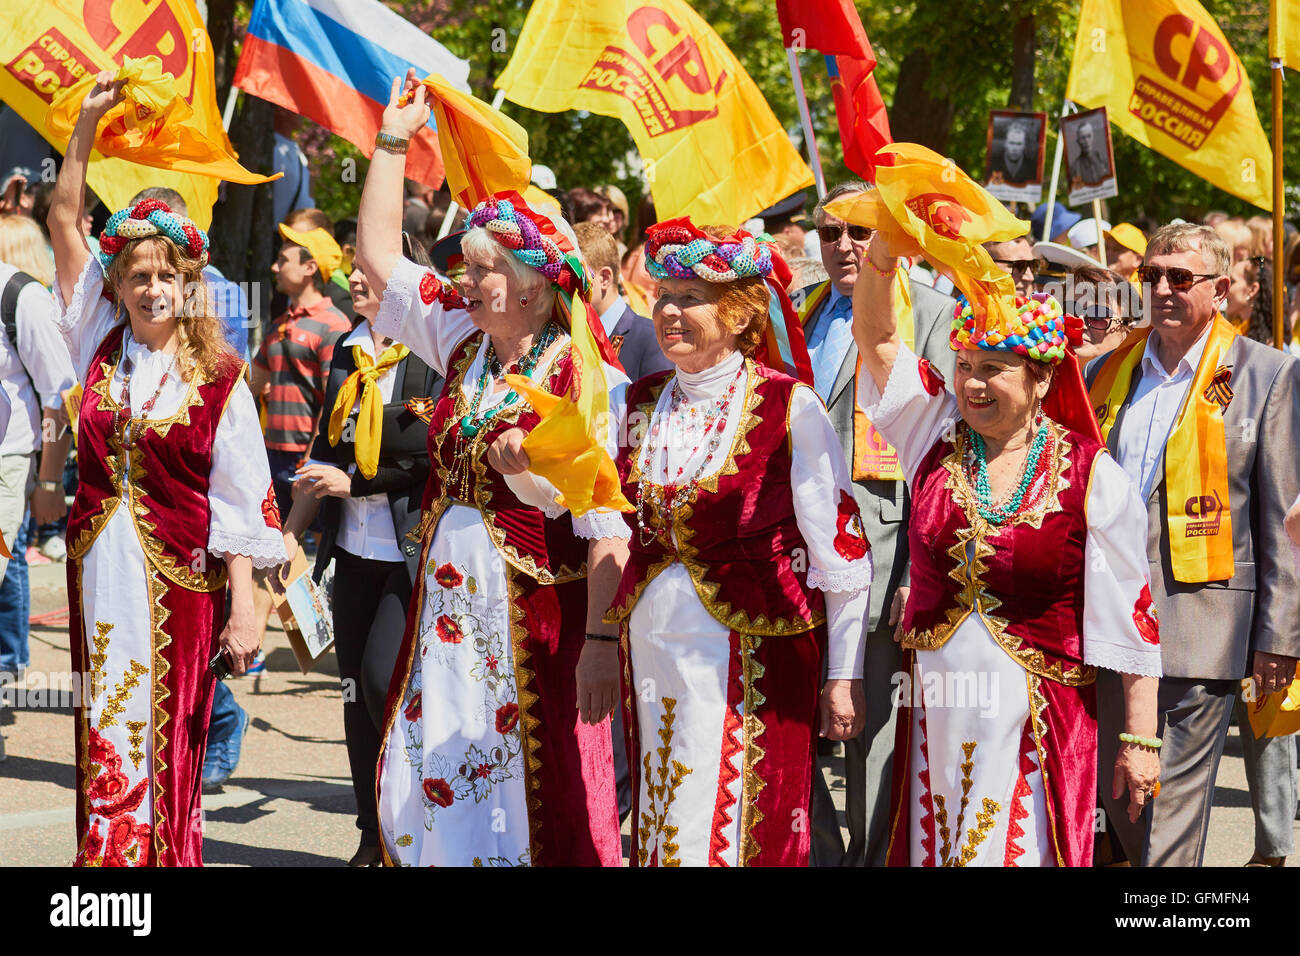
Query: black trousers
370	599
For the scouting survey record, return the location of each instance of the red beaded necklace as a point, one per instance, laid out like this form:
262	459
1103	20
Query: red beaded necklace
131	429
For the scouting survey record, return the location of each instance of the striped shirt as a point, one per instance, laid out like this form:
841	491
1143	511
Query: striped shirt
297	352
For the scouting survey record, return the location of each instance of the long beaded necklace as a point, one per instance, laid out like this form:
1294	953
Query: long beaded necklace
674	493
472	422
1031	471
131	428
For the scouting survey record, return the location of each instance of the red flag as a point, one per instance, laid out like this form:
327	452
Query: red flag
828	26
860	109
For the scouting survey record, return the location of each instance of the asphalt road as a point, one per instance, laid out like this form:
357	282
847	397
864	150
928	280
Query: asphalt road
290	801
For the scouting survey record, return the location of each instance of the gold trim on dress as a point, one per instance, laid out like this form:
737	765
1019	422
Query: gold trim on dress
158	616
662	794
752	784
1037	704
972	548
984	820
528	721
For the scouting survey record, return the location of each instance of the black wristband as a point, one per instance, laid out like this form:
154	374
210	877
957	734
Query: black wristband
602	637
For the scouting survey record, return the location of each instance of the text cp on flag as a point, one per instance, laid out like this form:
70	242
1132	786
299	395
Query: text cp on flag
333	61
47	47
1170	80
712	148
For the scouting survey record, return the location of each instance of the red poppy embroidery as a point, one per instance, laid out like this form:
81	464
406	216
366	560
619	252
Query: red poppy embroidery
271	510
483	771
930	377
429	288
507	717
412	712
1145	617
448	576
850	535
438	791
449	631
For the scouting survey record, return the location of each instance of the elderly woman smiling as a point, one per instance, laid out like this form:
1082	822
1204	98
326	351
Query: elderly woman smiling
1029	571
483	760
748	570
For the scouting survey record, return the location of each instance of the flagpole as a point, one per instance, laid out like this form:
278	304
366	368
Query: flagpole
454	208
1279	209
1066	110
805	119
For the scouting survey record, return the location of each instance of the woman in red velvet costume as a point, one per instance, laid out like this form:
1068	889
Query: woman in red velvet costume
483	761
749	569
173	500
1029	571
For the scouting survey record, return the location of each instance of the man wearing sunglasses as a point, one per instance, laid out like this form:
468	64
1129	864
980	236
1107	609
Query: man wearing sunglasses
826	311
1015	257
1206	422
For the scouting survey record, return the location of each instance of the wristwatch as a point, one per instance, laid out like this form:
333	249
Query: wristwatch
51	485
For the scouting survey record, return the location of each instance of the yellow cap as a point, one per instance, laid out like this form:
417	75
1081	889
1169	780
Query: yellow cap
320	244
1130	237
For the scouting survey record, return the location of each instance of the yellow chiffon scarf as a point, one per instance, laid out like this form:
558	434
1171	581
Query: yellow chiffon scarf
370	418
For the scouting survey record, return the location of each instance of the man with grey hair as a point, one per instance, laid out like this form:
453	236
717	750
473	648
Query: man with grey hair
826	309
1206	423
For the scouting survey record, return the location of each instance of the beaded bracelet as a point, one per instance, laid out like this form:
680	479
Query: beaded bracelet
884	274
1152	742
391	143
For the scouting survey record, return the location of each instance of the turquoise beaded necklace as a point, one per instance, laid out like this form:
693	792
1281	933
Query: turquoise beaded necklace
474	420
999	515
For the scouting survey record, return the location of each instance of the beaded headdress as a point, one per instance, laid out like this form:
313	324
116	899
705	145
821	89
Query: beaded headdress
1041	331
150	217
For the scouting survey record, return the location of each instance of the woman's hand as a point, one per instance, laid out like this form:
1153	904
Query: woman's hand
598	680
103	96
1137	769
239	638
48	506
405	121
507	454
842	709
321	480
290	546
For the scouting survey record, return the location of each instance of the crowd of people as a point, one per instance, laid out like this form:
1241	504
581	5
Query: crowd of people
1014	561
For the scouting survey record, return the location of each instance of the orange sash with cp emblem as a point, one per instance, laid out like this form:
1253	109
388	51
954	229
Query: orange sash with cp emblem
1199	514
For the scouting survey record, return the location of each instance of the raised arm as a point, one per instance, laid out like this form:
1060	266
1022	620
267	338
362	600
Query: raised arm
379	218
67	203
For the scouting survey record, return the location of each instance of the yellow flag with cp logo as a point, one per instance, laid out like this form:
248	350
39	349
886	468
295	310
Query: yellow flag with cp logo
1169	79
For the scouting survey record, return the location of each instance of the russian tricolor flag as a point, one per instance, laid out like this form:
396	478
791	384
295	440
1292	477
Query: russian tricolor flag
333	61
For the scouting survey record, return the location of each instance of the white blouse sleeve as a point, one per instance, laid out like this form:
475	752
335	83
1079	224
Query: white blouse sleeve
839	559
1120	628
915	410
87	318
239	488
429	329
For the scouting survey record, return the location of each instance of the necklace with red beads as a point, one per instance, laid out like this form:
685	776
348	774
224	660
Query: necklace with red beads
131	428
675	492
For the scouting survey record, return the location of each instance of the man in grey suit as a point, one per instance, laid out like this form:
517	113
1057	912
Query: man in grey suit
826	310
1212	633
632	336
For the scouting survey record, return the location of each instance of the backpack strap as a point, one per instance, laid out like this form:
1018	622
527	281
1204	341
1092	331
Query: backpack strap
9	309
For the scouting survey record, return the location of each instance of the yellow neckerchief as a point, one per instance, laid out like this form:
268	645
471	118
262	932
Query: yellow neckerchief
873	457
370	419
1199	513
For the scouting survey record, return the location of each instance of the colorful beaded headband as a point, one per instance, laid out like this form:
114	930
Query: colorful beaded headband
678	249
150	217
1041	331
530	237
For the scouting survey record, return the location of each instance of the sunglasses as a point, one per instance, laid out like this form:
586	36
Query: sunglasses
831	234
1180	279
1018	266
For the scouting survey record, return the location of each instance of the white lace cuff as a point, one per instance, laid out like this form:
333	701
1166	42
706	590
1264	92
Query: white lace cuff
855	577
400	292
89	283
266	552
1123	659
601	524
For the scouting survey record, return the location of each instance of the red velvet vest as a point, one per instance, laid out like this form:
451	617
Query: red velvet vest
1026	580
170	465
738	539
546	550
